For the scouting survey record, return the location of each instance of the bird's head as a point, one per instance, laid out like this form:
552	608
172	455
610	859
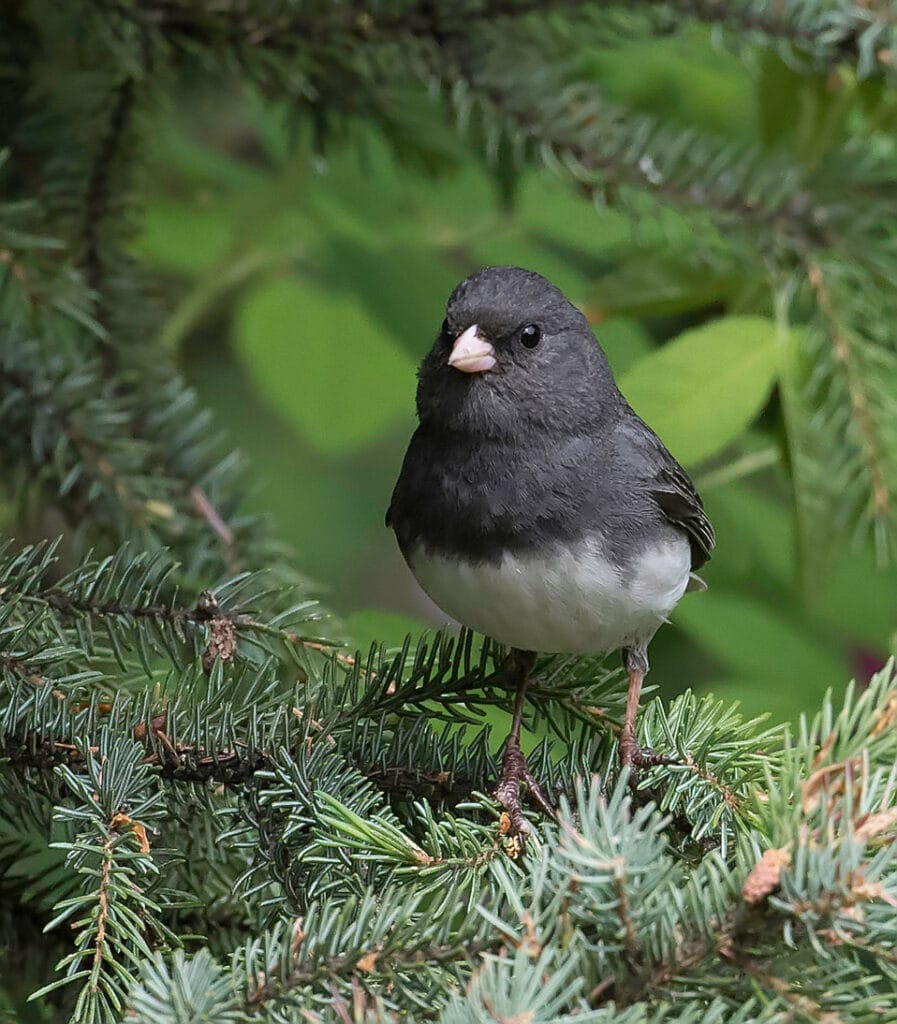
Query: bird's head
513	349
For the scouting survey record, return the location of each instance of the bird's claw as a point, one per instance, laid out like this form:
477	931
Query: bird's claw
515	770
634	757
645	757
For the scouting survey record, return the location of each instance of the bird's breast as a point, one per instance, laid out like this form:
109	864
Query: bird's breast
479	497
566	598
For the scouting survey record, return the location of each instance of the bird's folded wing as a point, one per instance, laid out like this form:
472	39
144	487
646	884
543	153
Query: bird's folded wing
681	505
670	487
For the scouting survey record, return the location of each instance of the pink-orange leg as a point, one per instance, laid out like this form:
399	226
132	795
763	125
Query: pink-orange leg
514	769
629	748
632	756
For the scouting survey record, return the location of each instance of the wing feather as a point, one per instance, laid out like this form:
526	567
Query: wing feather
670	487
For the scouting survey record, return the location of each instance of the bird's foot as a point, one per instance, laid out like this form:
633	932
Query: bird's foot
645	757
514	771
634	757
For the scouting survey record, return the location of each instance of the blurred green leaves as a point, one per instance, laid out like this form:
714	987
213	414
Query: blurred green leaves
770	654
184	238
705	387
651	284
321	363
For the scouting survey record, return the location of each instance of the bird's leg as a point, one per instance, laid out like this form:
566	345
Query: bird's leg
514	769
632	756
635	662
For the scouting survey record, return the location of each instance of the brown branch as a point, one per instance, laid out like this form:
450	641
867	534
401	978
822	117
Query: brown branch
842	344
590	712
223	624
228	767
704	773
234	766
402	780
96	204
72	606
102	912
354	964
323	648
20	667
207	510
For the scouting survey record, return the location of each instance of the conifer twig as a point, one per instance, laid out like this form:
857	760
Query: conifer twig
96	203
105	880
842	344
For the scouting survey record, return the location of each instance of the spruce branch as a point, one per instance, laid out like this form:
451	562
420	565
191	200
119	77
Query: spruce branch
111	852
30	392
96	202
222	626
606	884
200	983
32	874
843	343
829	35
571	127
368	942
134	468
125	609
145	617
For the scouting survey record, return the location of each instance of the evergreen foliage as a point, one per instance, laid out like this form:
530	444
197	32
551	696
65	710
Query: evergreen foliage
212	810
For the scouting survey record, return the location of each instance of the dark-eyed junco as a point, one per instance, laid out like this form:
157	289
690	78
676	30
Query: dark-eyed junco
533	504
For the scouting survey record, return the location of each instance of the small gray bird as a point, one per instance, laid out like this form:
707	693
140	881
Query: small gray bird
533	504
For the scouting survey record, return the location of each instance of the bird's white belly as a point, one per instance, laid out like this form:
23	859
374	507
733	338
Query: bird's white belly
572	600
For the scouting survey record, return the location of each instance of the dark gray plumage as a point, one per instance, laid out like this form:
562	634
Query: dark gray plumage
538	450
533	503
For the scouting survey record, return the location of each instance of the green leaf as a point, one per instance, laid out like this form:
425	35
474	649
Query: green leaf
553	216
683	77
858	599
624	342
335	374
186	238
409	315
700	391
790	664
792	106
762	559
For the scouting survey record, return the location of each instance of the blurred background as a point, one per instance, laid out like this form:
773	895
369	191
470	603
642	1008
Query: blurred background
303	283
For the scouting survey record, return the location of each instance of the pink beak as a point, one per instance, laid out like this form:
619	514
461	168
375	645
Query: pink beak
471	353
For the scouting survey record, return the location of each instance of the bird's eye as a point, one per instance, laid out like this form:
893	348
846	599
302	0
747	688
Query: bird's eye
531	335
443	331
